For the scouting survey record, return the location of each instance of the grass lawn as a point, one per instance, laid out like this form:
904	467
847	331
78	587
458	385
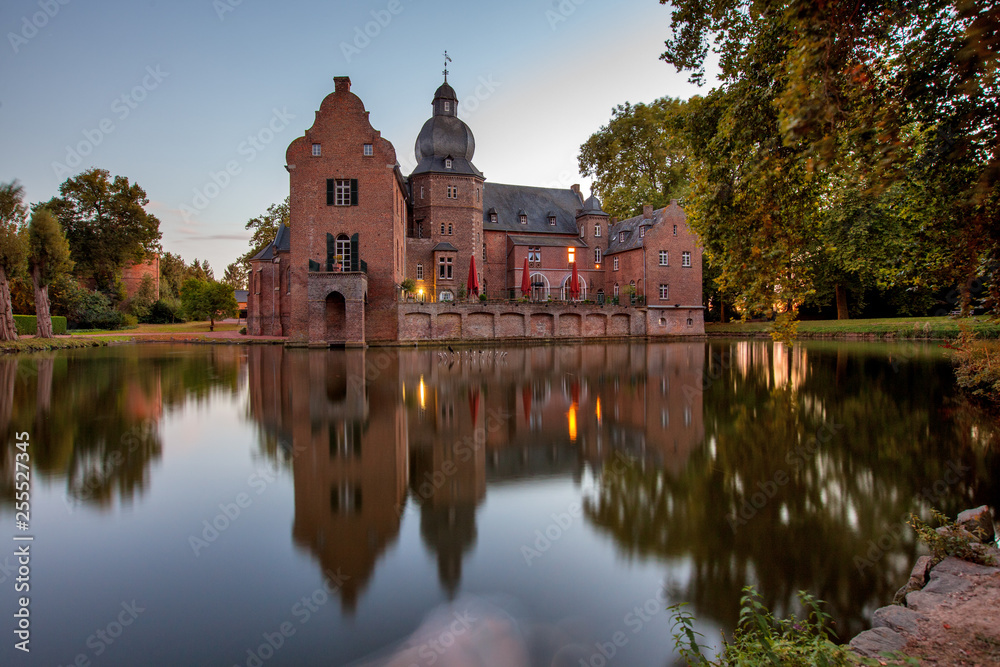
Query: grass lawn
180	328
895	327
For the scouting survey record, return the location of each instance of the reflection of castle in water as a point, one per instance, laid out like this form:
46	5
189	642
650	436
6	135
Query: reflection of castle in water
373	431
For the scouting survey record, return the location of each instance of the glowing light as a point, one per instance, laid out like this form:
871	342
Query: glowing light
422	393
572	422
597	411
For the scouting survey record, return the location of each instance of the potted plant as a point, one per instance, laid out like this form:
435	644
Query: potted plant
406	287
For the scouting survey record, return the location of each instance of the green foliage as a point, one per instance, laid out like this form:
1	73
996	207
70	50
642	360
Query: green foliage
978	366
265	228
408	285
94	310
200	270
27	325
167	310
48	250
208	300
12	214
141	304
639	157
172	274
951	539
235	276
762	639
105	223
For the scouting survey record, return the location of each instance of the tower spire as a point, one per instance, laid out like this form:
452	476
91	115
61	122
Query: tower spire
447	60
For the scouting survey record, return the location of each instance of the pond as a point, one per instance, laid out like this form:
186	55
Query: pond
251	505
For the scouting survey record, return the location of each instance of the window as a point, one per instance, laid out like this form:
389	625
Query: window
493	218
442	228
369	151
675	230
686	259
420	271
344	250
664	292
571	255
616	264
523	219
421	192
484	251
477	194
341	192
445	268
583	231
317	150
449	229
452	192
447	105
597	230
664	258
535	257
616	289
447	163
642	232
597	255
552	221
446	295
621	236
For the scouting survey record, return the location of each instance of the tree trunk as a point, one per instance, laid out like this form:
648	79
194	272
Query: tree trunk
722	311
841	292
211	323
7	329
43	318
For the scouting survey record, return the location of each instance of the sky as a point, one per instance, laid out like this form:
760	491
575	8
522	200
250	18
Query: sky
197	100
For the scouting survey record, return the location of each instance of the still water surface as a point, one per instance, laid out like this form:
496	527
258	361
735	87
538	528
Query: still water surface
258	506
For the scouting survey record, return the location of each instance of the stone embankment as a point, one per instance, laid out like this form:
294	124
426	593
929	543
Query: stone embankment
947	613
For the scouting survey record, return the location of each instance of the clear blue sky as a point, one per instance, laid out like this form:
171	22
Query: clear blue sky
168	92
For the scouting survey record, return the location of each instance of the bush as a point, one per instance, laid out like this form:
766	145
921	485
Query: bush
166	311
243	331
978	367
141	304
27	325
951	540
93	310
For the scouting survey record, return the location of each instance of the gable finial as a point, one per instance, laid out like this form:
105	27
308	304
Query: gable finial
447	60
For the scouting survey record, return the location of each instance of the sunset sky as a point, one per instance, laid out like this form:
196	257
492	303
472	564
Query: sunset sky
168	93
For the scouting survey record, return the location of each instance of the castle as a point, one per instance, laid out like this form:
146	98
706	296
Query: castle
485	260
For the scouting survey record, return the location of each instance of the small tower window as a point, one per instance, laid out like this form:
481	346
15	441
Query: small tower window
452	192
597	230
369	151
597	255
317	150
449	229
447	107
675	230
447	162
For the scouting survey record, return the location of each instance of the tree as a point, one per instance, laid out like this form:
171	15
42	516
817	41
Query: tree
265	228
199	269
208	300
48	257
12	251
235	276
639	157
896	99
106	224
172	273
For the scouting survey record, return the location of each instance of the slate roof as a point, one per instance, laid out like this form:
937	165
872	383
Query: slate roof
633	237
282	243
553	241
241	295
443	246
537	203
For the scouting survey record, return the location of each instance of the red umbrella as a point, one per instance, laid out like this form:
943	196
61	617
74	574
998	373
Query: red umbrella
474	404
574	283
525	279
472	286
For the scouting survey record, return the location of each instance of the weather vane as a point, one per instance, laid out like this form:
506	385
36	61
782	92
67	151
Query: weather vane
447	60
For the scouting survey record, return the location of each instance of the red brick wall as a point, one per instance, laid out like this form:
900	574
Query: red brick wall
269	306
684	283
132	275
342	128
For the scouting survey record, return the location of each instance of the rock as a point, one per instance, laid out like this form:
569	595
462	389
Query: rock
946	584
980	518
921	601
900	619
872	643
920	570
956	566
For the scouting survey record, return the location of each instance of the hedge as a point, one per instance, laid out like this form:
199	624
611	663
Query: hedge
27	326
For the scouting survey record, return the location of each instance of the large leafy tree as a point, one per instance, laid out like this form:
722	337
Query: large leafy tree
264	228
896	101
12	250
638	158
208	300
235	276
106	224
48	258
172	273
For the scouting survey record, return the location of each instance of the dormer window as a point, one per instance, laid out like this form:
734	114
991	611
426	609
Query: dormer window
369	150
522	217
621	236
493	218
447	162
642	232
552	220
317	150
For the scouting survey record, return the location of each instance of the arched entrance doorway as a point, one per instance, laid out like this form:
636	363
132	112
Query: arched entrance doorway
336	316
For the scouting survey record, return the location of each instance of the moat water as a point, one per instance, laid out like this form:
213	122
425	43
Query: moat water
224	505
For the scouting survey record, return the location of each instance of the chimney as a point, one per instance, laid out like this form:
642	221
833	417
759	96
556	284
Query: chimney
576	188
342	84
647	211
614	220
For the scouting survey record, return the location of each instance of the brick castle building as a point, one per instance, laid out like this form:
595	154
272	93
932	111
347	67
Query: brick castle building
359	228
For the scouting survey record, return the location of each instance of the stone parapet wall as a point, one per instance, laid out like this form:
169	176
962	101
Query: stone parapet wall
471	321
